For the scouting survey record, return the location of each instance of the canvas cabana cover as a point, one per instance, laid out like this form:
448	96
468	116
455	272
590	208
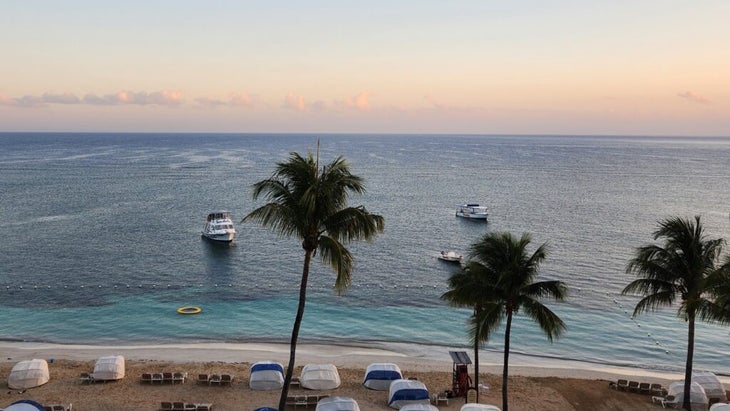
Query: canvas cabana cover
418	407
378	376
720	406
404	392
479	407
109	368
25	405
266	375
697	397
319	377
28	374
337	404
711	384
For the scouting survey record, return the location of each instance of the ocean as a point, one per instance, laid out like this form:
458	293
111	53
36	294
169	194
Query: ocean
102	240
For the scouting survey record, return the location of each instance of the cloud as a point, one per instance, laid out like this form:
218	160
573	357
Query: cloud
693	97
294	102
161	98
65	98
234	100
359	102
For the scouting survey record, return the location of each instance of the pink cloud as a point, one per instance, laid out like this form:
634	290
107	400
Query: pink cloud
693	97
294	102
162	98
359	102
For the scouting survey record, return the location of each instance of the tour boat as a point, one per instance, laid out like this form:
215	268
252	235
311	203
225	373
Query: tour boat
472	211
219	227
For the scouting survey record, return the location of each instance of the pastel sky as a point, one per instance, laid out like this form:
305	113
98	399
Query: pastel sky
640	67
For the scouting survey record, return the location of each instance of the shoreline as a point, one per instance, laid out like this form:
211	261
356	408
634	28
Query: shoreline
412	357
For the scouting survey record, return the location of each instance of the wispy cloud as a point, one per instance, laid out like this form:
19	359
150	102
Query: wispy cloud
294	102
234	100
693	97
359	102
161	98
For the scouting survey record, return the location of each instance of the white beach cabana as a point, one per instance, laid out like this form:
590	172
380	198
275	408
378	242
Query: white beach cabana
479	407
28	374
697	397
109	368
418	407
266	375
404	392
337	404
378	376
714	389
720	406
319	377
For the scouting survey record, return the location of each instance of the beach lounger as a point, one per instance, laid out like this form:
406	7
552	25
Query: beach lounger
190	407
226	379
214	379
622	385
165	406
202	378
178	406
167	377
644	388
656	389
179	377
204	407
634	386
146	378
156	377
86	378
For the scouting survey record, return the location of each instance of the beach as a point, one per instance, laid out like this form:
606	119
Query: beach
534	384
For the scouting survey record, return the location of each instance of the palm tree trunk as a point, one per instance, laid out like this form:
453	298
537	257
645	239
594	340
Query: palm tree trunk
476	361
505	368
688	366
295	330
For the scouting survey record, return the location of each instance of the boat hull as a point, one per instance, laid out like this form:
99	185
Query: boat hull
221	238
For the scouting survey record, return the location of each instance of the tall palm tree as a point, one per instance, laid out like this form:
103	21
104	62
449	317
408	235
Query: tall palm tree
683	268
311	204
498	281
466	290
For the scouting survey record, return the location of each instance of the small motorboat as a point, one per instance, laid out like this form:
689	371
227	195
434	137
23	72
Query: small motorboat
450	256
473	211
219	227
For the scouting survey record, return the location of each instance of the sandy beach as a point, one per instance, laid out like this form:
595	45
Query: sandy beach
535	384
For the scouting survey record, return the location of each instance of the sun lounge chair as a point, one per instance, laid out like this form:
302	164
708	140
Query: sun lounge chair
190	407
86	378
669	401
656	389
634	386
179	377
644	388
214	379
204	407
167	377
202	378
622	385
178	406
165	406
146	378
226	379
156	377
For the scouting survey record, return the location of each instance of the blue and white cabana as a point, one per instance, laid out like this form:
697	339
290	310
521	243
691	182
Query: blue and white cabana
378	376
266	375
337	404
404	392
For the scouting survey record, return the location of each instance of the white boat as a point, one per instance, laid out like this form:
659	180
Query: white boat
219	227
473	211
450	256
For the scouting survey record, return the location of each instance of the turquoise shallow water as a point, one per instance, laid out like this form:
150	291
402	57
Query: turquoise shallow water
105	238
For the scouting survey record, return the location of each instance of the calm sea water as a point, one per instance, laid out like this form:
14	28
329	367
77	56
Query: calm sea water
102	238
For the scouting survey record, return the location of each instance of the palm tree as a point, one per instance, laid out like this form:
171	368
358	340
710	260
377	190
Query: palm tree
466	290
310	204
497	282
683	268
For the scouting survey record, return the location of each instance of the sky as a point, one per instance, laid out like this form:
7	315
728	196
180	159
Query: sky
614	67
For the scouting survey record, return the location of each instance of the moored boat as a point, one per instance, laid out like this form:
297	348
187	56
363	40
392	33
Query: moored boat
450	256
472	211
219	227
